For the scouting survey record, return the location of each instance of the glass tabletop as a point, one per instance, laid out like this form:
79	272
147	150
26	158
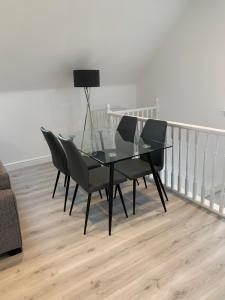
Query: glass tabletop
109	146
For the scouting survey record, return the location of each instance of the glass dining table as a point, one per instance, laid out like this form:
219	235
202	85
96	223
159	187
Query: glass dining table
108	147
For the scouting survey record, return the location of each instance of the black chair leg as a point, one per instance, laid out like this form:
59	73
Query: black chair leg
87	213
115	191
100	193
65	180
56	182
107	194
134	196
121	197
137	181
162	186
67	190
74	197
145	182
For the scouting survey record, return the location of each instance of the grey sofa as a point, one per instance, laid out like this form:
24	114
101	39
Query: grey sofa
10	234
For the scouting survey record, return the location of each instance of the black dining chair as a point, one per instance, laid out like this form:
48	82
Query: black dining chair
126	131
154	130
90	180
59	160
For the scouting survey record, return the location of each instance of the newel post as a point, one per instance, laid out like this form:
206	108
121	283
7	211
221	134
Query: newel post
108	108
109	118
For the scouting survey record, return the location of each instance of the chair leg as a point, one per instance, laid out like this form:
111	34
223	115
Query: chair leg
87	213
56	182
134	196
100	193
107	194
145	182
65	180
74	197
137	181
67	190
162	186
121	197
115	191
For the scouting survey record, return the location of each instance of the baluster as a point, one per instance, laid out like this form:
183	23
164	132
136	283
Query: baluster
157	108
103	120
96	119
109	120
173	154
113	121
187	163
179	161
194	193
222	202
212	190
166	164
116	122
203	172
141	124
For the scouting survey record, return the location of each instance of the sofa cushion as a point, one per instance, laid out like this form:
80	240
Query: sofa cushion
4	178
10	235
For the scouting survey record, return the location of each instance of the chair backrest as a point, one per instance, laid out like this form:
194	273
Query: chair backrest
58	154
77	167
154	130
126	132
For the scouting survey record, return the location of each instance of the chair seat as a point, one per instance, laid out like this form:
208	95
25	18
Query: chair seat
91	163
134	168
99	179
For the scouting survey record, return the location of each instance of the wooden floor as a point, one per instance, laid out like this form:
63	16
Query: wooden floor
153	255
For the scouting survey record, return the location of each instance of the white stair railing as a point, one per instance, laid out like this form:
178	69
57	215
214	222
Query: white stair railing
195	167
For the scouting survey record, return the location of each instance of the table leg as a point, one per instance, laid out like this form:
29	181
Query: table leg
110	191
156	181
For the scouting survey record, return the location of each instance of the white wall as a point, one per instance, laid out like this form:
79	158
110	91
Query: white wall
187	73
22	114
43	41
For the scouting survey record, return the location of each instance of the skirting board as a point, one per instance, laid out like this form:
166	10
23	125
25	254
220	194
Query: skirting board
27	162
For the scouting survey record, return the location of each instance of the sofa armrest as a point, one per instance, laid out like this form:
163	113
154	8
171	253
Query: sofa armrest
10	234
4	178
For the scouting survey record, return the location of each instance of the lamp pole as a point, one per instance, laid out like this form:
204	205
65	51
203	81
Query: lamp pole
87	92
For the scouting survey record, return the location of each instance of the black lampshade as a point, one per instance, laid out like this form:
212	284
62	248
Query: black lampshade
86	78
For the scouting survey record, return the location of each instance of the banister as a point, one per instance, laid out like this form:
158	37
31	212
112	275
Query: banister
192	168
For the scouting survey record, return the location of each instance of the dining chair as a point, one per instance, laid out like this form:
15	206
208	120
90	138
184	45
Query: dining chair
59	160
154	130
126	132
90	180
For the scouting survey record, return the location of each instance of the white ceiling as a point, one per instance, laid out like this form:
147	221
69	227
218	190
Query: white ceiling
42	41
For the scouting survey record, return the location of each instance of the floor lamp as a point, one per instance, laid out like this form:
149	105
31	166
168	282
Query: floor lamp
87	79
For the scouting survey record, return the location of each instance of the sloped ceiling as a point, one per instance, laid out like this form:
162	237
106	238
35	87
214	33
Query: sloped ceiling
42	41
